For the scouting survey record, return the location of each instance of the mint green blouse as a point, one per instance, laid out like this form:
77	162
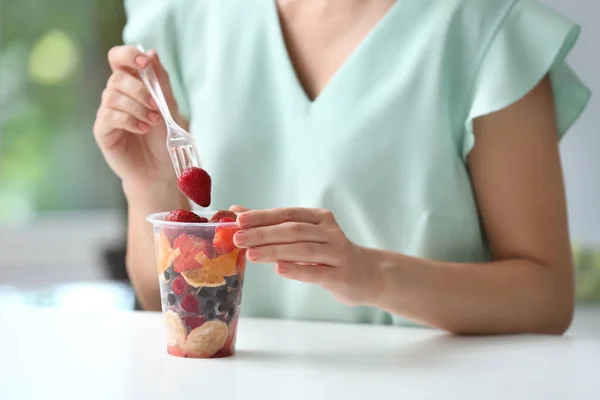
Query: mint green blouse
383	146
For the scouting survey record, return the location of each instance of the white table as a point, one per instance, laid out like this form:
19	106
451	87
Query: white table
56	354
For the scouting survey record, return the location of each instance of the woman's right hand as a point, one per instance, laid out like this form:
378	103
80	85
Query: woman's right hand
129	129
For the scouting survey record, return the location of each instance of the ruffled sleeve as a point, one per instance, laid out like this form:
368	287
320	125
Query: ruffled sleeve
531	41
154	25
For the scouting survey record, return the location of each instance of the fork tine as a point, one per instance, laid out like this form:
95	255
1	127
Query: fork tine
175	160
192	156
182	157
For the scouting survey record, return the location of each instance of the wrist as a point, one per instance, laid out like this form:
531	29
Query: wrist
379	263
157	196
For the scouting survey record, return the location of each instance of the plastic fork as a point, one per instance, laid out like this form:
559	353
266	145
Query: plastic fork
182	146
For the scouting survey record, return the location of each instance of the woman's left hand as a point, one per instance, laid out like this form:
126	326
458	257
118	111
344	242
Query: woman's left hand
308	245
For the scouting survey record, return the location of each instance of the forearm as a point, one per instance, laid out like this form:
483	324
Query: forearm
508	296
141	252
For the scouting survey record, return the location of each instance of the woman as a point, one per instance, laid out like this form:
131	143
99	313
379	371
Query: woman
429	129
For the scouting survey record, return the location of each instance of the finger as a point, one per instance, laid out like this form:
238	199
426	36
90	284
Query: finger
121	102
238	209
288	232
318	274
114	119
126	57
276	216
304	252
128	84
162	75
159	69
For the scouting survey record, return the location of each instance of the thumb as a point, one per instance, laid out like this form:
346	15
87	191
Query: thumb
161	73
238	209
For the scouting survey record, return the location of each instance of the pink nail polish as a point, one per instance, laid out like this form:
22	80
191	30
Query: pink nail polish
143	126
281	269
253	254
154	116
141	61
240	237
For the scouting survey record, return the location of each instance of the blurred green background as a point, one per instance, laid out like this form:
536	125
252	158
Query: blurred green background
52	70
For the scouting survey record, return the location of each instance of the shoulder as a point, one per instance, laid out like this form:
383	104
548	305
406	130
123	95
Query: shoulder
474	21
477	10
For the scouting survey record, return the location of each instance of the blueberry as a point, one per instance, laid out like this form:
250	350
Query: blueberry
235	284
222	294
210	315
209	305
205	292
171	299
231	312
223	308
167	276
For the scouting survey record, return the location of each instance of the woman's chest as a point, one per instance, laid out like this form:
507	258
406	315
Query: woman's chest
319	38
383	125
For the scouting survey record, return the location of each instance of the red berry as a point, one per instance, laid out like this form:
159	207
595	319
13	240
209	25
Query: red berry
223	240
227	219
219	215
224	352
179	285
196	184
193	322
190	304
184	216
190	247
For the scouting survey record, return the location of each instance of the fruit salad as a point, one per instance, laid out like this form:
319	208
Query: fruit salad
201	274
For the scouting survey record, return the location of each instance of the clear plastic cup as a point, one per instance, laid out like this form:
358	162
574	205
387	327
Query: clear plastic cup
201	275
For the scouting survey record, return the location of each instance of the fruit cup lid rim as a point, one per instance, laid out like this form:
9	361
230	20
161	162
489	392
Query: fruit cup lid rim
158	219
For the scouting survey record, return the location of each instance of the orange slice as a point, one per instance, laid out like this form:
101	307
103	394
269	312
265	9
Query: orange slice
213	271
203	278
224	265
164	253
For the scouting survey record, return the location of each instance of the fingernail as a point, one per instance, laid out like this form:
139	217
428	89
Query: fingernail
253	254
281	269
143	126
154	116
240	238
242	220
152	103
141	61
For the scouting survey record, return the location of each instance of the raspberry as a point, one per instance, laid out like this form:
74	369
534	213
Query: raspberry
184	216
220	215
196	184
190	304
179	286
193	322
223	241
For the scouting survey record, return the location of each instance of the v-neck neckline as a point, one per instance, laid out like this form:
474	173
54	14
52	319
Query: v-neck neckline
347	64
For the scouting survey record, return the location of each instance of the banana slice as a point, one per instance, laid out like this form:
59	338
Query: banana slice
207	339
175	330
